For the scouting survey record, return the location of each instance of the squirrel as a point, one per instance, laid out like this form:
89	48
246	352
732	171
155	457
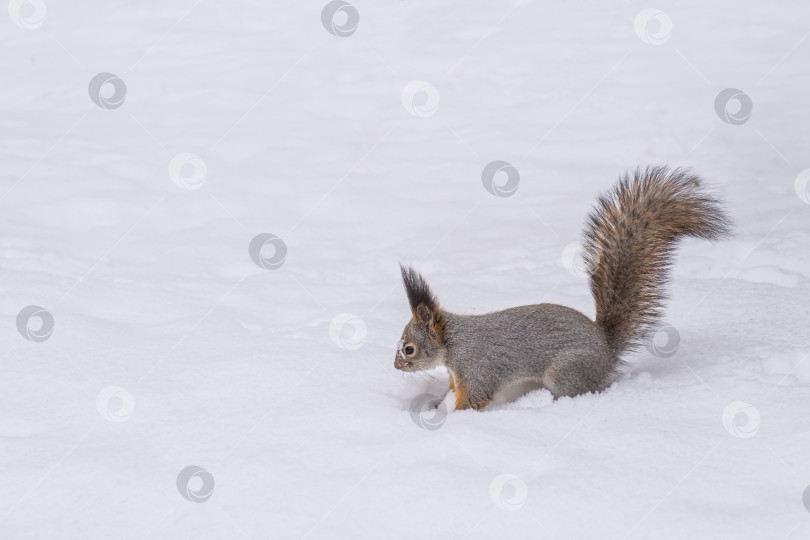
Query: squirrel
629	241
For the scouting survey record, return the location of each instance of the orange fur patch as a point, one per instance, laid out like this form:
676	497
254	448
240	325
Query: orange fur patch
461	398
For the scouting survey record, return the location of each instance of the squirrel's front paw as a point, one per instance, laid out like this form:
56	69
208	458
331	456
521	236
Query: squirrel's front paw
449	401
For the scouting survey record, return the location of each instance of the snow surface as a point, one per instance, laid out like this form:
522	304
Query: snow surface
171	348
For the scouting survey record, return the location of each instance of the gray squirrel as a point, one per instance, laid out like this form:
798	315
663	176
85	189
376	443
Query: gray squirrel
629	241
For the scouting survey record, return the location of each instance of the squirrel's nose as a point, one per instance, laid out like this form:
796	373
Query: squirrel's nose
401	364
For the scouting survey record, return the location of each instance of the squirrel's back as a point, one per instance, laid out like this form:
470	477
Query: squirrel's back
629	243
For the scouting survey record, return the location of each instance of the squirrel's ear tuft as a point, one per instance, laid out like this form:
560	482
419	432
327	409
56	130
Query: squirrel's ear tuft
417	290
424	306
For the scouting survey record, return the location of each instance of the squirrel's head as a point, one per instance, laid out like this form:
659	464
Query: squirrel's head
423	341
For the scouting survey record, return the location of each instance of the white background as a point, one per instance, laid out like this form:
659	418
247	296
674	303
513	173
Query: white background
304	135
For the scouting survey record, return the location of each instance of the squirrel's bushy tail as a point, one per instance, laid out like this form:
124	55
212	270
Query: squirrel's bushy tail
629	243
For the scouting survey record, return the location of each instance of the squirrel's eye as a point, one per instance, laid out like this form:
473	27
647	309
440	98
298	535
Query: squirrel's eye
408	350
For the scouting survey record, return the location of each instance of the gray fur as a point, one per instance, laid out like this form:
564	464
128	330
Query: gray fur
630	240
554	346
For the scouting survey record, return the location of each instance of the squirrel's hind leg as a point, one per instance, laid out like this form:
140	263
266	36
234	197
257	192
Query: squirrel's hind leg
574	377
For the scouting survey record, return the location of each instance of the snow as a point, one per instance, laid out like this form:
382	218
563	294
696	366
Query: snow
196	387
